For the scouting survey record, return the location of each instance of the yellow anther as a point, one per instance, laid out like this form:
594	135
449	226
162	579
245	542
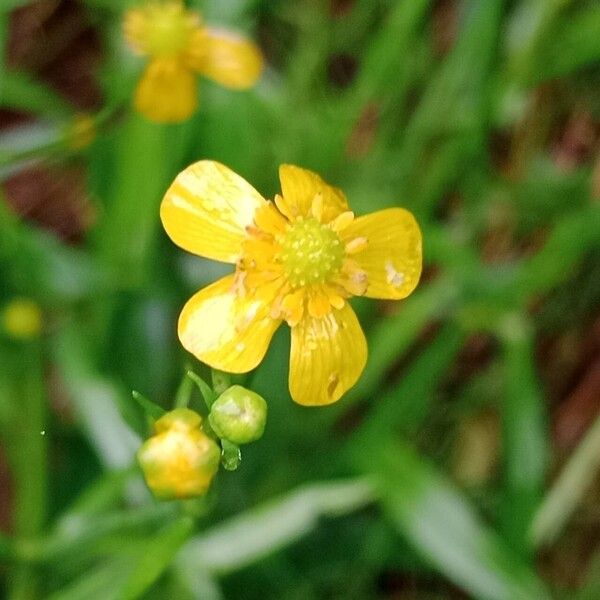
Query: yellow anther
356	245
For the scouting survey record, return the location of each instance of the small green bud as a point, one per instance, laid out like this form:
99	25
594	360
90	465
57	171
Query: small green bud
238	415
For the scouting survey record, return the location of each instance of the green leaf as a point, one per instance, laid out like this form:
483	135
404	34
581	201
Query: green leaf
392	336
39	266
567	491
99	583
141	175
406	403
525	446
263	530
574	234
441	524
575	44
154	411
19	91
156	557
455	99
96	400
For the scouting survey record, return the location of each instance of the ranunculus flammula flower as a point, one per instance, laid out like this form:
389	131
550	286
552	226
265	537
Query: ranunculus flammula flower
296	260
179	46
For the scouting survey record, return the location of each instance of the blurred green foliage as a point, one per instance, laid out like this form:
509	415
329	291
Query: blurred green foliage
362	499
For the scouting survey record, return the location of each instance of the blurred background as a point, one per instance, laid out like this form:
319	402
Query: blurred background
464	462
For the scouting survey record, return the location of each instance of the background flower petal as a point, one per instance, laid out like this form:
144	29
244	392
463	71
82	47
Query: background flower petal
299	188
327	357
224	330
393	257
225	57
207	209
167	91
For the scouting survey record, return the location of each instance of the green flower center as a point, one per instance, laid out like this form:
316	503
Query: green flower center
312	253
168	30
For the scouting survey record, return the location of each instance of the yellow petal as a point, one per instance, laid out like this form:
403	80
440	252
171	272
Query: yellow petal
327	357
392	258
135	29
299	188
207	209
167	91
225	330
227	58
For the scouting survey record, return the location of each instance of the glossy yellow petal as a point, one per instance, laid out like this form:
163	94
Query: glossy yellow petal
327	357
167	91
224	330
207	209
299	188
227	58
392	257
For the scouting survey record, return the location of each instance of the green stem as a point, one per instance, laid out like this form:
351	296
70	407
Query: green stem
221	381
184	392
28	452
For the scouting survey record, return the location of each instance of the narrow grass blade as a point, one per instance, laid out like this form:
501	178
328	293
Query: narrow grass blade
441	524
525	445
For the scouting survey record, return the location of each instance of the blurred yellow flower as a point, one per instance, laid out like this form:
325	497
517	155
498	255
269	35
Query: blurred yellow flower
21	319
180	460
297	260
179	45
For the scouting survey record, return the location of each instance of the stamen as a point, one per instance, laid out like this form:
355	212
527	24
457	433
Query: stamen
356	245
318	304
270	220
311	252
342	221
256	232
394	278
284	208
316	208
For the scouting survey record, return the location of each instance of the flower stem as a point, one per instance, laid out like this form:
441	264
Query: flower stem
184	392
28	456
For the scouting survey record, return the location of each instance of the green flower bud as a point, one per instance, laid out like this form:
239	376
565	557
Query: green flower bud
238	415
180	460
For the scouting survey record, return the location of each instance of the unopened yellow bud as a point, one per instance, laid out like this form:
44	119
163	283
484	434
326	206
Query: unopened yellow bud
180	460
22	319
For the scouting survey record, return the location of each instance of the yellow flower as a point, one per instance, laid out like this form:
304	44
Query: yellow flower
180	460
297	260
22	319
179	46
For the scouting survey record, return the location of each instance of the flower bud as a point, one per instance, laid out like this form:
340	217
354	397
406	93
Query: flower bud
238	415
22	319
180	460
